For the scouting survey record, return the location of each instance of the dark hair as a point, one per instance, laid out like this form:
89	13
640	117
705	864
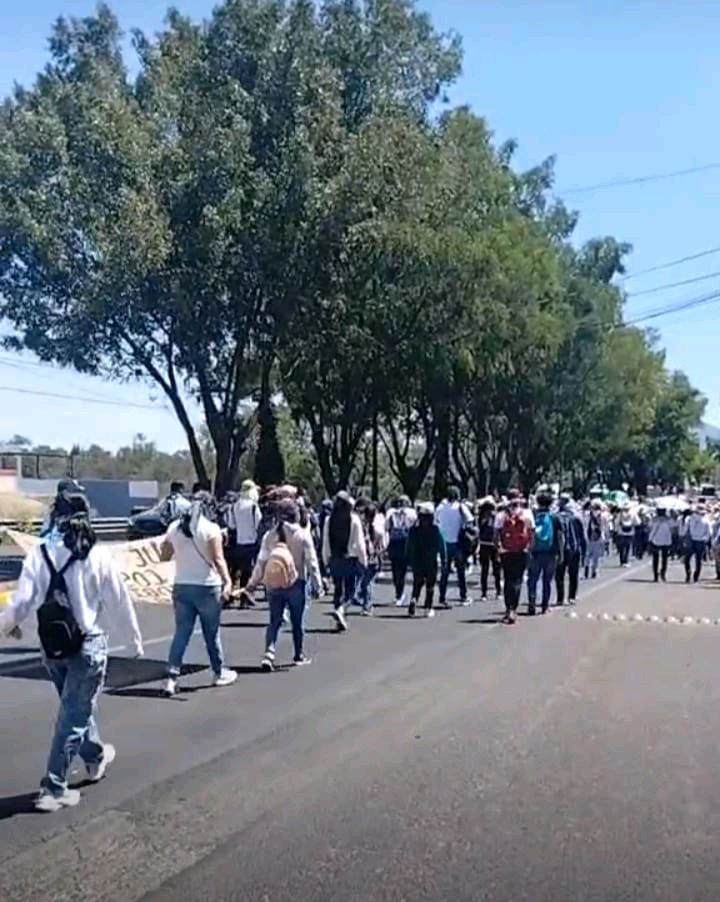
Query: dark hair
202	485
453	493
544	499
369	512
203	505
177	487
339	526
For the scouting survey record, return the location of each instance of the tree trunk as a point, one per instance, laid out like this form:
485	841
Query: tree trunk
269	462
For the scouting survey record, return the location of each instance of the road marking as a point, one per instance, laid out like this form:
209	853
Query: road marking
604	617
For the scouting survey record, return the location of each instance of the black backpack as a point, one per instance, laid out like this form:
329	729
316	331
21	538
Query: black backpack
59	633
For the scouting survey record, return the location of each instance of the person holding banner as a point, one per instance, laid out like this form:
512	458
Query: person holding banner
202	581
73	585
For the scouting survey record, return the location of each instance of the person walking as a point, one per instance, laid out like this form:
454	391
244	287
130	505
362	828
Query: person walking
288	566
595	539
452	516
345	553
625	522
488	556
661	540
546	550
696	533
514	539
398	521
202	581
77	590
244	522
374	542
574	550
426	549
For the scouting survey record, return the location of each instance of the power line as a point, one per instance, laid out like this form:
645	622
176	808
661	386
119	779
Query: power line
675	307
22	366
639	180
642	272
711	275
47	394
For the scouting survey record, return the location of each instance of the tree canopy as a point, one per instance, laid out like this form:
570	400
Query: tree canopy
279	206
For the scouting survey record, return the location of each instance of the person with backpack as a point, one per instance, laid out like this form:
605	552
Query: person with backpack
398	521
76	589
374	542
661	540
625	522
574	549
696	536
545	552
287	564
345	553
514	539
202	581
425	550
595	539
487	547
457	526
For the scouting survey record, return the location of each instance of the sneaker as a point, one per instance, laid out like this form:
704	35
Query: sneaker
399	602
171	687
411	609
445	605
367	612
49	803
339	615
512	618
96	772
429	612
465	602
531	610
225	677
484	598
268	663
302	661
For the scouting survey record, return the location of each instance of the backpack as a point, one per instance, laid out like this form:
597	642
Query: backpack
594	528
514	533
280	570
626	523
486	533
567	520
399	526
58	630
544	531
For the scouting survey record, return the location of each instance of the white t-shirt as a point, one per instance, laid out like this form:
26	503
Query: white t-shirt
451	516
193	565
246	519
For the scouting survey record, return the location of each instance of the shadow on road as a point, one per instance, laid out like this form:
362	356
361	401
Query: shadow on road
20	650
484	621
122	672
12	805
251	625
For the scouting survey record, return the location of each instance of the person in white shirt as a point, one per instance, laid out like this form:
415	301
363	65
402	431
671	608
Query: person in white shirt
660	539
94	588
300	544
244	521
695	531
452	517
345	553
202	581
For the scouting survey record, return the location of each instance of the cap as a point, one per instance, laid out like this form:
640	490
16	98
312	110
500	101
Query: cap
247	485
427	507
69	486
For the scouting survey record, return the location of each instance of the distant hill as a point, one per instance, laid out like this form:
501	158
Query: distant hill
708	433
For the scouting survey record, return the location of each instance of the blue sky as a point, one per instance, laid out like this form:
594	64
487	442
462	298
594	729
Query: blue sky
614	90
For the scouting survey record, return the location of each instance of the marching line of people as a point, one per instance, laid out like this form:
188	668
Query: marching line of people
224	552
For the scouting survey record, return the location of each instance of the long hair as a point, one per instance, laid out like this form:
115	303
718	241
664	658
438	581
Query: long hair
339	526
72	520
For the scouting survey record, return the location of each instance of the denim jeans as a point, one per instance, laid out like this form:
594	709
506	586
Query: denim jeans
624	543
191	602
365	586
397	555
344	572
569	565
694	550
294	599
513	565
545	563
456	557
79	680
594	553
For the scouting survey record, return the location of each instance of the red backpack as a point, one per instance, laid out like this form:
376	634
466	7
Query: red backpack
514	534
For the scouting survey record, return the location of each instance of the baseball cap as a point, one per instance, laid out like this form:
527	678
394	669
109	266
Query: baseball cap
69	486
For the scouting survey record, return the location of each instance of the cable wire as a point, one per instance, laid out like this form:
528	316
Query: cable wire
643	272
710	275
47	394
638	180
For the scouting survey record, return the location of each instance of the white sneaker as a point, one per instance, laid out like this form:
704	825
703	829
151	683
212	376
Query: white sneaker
484	598
399	602
171	687
339	615
430	612
96	772
225	677
49	803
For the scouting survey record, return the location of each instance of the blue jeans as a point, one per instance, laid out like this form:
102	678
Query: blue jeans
294	599
545	563
79	681
344	572
191	602
454	556
365	586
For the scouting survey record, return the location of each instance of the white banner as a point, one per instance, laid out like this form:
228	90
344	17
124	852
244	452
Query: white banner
148	579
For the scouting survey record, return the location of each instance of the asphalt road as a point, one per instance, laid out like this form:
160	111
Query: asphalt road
561	759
